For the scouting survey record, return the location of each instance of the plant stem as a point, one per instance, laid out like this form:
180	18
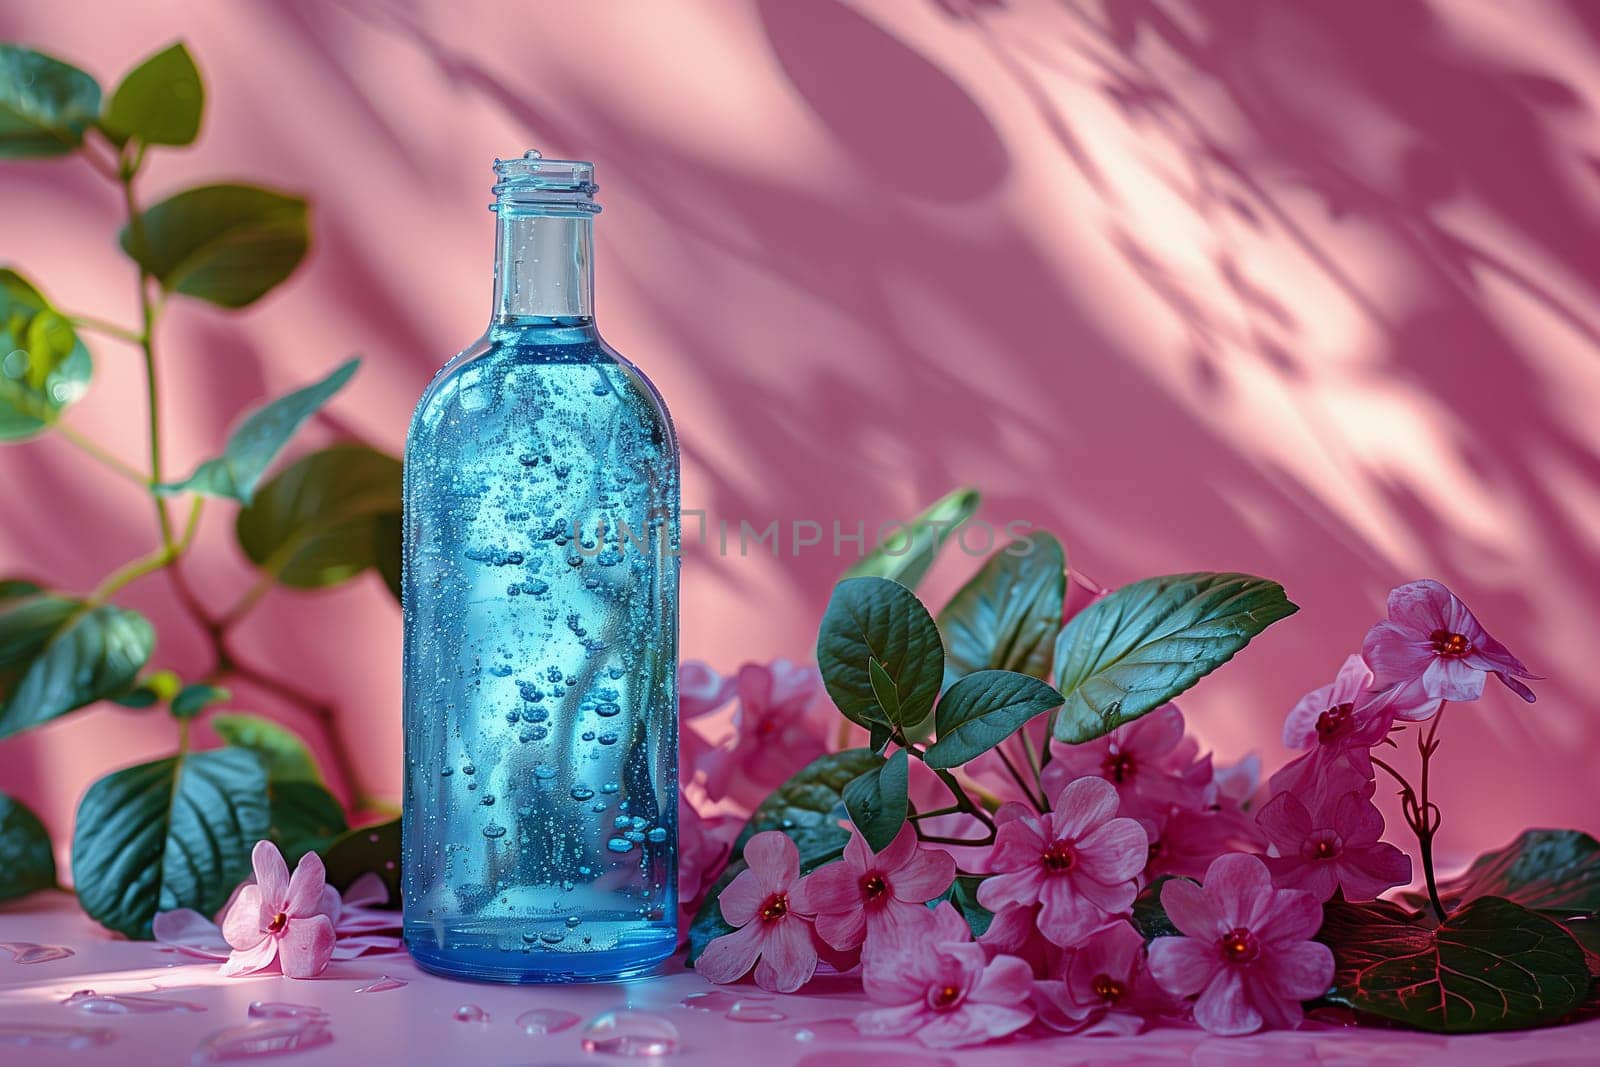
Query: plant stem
1016	776
1428	815
963	801
110	329
954	809
95	452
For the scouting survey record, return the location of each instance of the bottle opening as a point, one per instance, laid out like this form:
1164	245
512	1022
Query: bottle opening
533	185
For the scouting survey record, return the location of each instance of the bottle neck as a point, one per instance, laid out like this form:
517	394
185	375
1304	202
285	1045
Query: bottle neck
543	269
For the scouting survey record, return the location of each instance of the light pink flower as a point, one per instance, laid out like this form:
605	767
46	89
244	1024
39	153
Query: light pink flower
1335	846
1246	950
1146	761
282	920
704	843
1339	724
774	733
1014	931
940	987
363	926
1432	645
1078	862
1106	987
773	933
864	895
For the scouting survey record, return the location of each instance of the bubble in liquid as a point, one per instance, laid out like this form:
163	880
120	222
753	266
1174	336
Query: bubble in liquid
619	844
540	1022
545	771
610	787
657	835
470	1013
608	738
493	830
582	792
630	1033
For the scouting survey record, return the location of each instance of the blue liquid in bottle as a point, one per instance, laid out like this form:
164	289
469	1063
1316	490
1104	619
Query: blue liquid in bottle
541	622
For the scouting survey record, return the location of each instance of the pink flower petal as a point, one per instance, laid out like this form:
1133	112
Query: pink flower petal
1286	822
1240	883
368	890
927	874
192	933
1066	917
742	898
1223	1007
902	850
1300	971
729	958
1017	845
251	958
304	897
788	956
972	1024
306	945
1115	852
241	924
843	930
892	1022
1183	965
1364	873
1006	980
272	874
1019	887
833	887
1083	805
1191	910
1289	915
701	690
774	859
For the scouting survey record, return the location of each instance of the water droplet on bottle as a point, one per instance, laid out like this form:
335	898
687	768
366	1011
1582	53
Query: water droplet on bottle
619	844
488	800
657	835
630	1033
493	830
544	772
753	1011
469	769
582	792
470	1013
382	985
282	1009
263	1038
573	922
541	1022
532	153
610	787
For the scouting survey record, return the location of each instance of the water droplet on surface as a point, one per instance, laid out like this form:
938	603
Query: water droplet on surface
264	1038
630	1033
282	1009
382	985
754	1011
543	1021
470	1013
532	153
861	1058
36	1035
717	1000
826	1029
28	952
126	1004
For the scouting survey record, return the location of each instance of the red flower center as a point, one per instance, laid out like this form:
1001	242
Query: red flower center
1239	946
1333	721
1119	767
1450	644
1058	858
873	886
279	921
1326	846
1108	988
945	997
776	907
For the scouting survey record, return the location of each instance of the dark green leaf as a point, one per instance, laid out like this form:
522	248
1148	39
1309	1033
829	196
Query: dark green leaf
59	654
285	756
226	244
1142	645
45	104
1148	914
176	833
27	862
193	699
906	555
159	102
884	689
157	687
813	797
876	801
1008	615
367	848
877	619
388	532
322	520
818	845
963	896
43	365
982	710
1492	965
259	438
305	818
1547	870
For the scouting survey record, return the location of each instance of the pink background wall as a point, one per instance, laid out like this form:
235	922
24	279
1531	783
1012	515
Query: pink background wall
1308	290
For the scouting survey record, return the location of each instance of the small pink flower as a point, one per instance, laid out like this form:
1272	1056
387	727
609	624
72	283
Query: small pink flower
701	690
1339	724
279	919
863	896
1078	862
1246	948
363	925
1106	987
1336	847
704	843
1432	645
773	932
775	735
1145	760
939	986
1184	843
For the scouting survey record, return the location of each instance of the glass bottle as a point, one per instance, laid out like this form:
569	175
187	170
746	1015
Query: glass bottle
541	627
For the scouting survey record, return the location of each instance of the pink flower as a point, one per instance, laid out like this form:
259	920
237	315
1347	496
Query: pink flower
704	843
701	690
1185	842
864	896
940	987
1145	760
1337	847
1246	948
363	925
1106	987
279	919
773	932
1339	723
1078	862
774	733
1433	646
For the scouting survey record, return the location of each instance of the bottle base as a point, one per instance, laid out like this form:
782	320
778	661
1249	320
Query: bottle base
474	964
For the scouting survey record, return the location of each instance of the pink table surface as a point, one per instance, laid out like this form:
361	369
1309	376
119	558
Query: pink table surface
414	1024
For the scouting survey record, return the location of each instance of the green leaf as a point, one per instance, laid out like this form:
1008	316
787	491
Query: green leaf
1148	914
285	757
366	848
305	818
1008	615
193	699
58	654
884	690
877	619
27	863
389	552
1142	645
877	801
45	104
982	710
813	797
325	518
906	556
225	244
176	833
258	439
1547	870
159	102
44	366
963	896
1492	965
817	844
